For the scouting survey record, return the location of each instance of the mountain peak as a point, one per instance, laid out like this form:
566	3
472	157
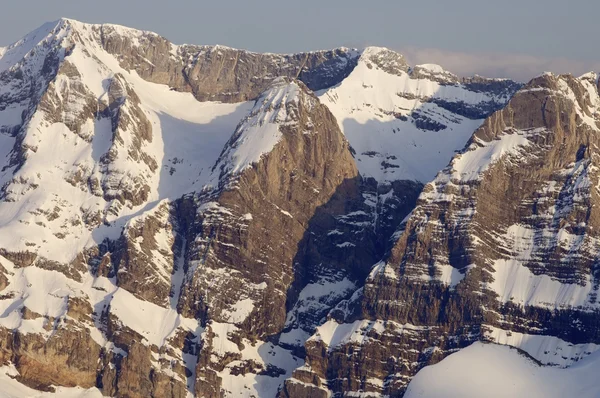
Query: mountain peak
385	59
279	105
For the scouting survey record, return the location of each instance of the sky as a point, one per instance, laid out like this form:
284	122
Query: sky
508	38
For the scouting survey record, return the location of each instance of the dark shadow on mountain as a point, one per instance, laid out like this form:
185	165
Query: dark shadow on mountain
415	149
346	236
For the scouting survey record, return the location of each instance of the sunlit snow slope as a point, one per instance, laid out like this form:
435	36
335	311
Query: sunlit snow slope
495	371
406	123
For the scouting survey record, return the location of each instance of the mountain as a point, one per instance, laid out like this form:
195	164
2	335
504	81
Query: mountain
182	220
501	247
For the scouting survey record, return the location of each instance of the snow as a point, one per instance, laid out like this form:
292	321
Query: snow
334	334
432	68
221	344
383	269
47	292
449	275
318	291
592	91
366	105
258	134
494	371
315	298
515	282
295	337
14	53
153	322
256	140
263	353
480	156
241	310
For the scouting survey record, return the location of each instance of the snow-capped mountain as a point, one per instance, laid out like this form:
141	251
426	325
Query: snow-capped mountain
182	220
501	247
486	370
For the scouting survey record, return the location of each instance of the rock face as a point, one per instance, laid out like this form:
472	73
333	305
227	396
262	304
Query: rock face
500	248
294	239
122	232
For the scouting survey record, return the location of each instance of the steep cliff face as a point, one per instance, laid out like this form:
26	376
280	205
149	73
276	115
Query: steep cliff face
501	247
219	73
286	160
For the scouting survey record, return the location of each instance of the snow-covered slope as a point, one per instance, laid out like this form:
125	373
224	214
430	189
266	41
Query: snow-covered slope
406	123
167	143
197	247
495	371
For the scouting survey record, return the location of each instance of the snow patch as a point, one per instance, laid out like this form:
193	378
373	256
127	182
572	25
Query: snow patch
549	350
493	371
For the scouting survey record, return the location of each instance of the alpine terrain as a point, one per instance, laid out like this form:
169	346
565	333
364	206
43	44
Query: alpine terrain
200	221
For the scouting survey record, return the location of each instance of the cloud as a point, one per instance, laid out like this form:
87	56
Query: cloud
520	67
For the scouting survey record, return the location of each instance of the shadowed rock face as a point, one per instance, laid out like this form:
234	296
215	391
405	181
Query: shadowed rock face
501	243
265	211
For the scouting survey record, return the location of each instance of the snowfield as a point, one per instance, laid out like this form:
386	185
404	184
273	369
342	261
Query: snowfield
496	371
375	110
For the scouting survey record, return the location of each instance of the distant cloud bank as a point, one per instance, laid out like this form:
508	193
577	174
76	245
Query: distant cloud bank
515	66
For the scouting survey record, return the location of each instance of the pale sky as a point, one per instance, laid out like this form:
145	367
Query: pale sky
507	38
